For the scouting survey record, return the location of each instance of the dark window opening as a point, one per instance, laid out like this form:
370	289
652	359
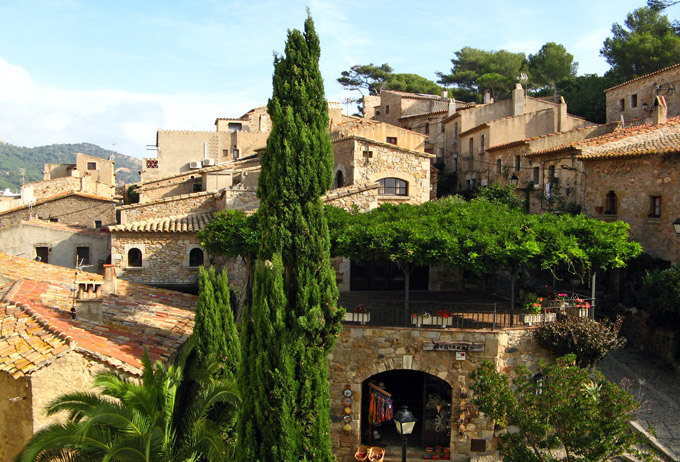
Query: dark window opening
367	154
82	256
481	142
633	100
551	172
196	257
225	152
235	126
392	187
196	187
97	224
135	257
499	168
42	254
517	163
387	109
611	203
622	105
54	220
236	153
92	165
427	128
537	175
392	139
654	206
339	180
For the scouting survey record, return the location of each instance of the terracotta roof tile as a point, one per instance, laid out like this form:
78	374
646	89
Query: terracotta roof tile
36	322
191	223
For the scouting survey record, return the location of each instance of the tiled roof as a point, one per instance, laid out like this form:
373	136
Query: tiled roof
643	77
37	326
425	114
632	130
169	199
417	95
191	223
384	144
665	143
60	196
62	227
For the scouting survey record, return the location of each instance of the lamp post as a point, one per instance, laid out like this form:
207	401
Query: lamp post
405	421
676	226
514	180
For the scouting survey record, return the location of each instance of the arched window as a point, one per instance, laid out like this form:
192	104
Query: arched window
196	257
339	180
392	187
135	257
611	203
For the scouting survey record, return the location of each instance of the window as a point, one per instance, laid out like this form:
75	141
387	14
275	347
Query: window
443	128
135	257
455	129
427	128
54	220
392	187
622	105
42	254
392	139
387	109
236	153
196	257
611	203
225	152
481	144
499	168
97	224
654	206
339	180
633	100
367	154
472	146
517	163
82	256
92	165
551	173
196	187
537	175
235	126
151	163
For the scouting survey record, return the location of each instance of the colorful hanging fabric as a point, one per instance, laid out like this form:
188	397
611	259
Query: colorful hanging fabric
380	408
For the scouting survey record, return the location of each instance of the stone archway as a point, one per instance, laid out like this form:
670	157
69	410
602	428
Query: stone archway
428	397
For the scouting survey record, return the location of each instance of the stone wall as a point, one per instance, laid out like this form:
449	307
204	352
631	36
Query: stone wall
16	425
177	205
49	188
662	340
71	210
634	181
165	257
365	197
362	352
379	132
154	191
641	91
238	198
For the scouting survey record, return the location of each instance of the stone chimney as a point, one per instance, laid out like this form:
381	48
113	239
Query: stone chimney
110	285
89	302
660	111
518	100
562	117
445	93
487	96
452	107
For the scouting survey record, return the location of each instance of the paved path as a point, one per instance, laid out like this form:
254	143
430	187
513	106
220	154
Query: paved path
655	384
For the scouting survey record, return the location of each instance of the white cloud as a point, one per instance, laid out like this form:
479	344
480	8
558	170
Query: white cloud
35	115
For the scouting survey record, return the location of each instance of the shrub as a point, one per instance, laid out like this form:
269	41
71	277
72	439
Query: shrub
661	290
589	340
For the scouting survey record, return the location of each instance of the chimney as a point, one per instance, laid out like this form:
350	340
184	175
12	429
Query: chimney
487	96
562	116
452	107
89	302
445	93
110	280
660	110
518	100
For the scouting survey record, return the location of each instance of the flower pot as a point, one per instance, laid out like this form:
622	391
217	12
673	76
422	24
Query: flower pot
530	318
420	320
362	318
576	311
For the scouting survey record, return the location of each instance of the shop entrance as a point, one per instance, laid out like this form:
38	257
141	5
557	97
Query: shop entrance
427	397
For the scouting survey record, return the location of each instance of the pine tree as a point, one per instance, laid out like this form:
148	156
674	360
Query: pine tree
294	327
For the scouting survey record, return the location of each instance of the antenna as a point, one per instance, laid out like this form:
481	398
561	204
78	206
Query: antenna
347	102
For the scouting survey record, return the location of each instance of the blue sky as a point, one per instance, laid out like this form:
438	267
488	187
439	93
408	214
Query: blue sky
115	72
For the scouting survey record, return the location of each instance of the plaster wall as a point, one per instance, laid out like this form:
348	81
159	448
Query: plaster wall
16	419
70	210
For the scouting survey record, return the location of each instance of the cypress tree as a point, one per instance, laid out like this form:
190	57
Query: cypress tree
294	327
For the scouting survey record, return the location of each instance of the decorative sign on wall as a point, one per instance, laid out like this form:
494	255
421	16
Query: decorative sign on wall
347	408
454	346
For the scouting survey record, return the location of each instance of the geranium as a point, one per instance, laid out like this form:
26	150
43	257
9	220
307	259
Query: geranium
443	314
360	309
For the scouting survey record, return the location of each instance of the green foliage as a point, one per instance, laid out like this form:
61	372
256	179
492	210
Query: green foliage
132	195
158	419
295	319
33	160
585	95
501	195
586	338
647	42
366	77
568	409
660	291
551	64
412	83
497	69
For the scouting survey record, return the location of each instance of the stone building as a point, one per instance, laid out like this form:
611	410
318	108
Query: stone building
470	132
45	352
58	244
71	208
634	100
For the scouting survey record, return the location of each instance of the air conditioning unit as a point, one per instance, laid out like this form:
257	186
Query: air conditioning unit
194	165
208	162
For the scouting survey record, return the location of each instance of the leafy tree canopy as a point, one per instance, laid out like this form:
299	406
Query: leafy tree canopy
647	42
563	408
585	96
551	64
412	83
471	64
365	77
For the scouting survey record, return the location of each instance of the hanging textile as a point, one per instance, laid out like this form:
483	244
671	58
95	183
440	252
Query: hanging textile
380	407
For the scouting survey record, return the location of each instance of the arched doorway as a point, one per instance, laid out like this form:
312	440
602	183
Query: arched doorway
427	397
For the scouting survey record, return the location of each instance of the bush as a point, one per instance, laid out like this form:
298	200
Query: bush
661	290
589	340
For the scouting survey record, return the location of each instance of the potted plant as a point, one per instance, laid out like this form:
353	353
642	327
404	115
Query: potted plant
580	308
443	318
534	310
359	314
420	319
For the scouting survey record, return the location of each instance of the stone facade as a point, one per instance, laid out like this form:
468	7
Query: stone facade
364	197
70	208
16	401
362	352
634	182
176	205
634	99
165	258
394	105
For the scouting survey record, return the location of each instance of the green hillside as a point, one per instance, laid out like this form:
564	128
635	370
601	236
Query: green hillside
14	158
